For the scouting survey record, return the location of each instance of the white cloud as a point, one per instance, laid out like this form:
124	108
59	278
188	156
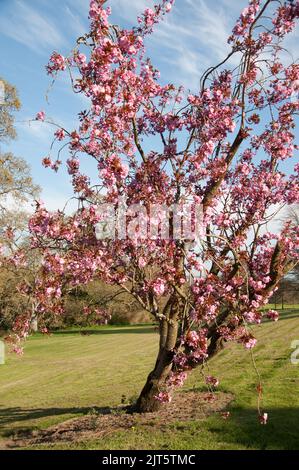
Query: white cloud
62	201
30	28
53	201
44	131
41	131
192	38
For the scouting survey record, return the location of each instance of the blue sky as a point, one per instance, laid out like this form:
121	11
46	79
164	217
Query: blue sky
192	38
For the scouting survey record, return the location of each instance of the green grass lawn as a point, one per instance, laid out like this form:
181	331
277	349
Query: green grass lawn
67	374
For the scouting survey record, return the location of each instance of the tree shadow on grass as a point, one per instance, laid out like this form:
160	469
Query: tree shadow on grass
11	418
284	315
243	428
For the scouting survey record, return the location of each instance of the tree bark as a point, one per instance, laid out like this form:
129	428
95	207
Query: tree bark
156	380
34	324
155	383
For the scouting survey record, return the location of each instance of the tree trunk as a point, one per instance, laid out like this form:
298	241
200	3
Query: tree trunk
34	318
155	383
157	378
34	324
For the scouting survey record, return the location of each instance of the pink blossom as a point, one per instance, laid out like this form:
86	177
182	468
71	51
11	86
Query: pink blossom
57	62
192	339
225	414
40	116
163	397
176	379
210	380
80	59
263	418
249	342
141	262
159	286
60	134
18	350
273	315
47	162
73	165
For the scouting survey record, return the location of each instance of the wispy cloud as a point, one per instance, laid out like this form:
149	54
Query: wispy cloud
81	6
192	38
130	9
28	27
211	27
39	131
75	21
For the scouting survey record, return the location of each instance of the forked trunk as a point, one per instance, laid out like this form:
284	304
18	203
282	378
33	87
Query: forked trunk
156	380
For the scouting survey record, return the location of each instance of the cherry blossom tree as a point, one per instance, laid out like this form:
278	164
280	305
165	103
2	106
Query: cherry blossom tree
224	148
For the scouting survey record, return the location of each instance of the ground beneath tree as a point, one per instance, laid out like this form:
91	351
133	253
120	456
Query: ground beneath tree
101	422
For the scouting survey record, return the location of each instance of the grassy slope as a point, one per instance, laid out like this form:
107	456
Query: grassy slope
67	374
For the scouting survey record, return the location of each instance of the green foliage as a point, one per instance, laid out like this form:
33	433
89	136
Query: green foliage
9	103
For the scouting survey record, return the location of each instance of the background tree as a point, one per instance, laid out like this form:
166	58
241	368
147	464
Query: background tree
16	189
294	215
16	185
9	102
223	147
